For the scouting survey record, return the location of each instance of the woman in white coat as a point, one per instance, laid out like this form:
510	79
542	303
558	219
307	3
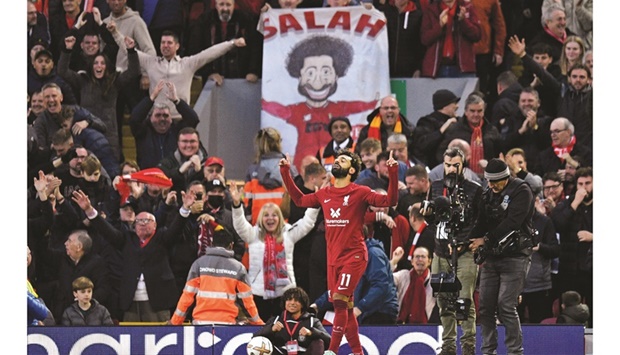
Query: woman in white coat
270	246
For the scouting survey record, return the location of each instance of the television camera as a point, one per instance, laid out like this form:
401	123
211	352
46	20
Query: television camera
449	214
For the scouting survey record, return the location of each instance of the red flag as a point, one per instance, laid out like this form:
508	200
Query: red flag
152	176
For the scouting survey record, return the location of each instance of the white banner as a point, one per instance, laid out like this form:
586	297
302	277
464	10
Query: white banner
318	64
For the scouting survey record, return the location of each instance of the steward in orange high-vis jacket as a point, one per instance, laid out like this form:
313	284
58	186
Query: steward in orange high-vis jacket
215	281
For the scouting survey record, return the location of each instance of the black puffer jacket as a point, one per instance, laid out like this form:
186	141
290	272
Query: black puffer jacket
96	315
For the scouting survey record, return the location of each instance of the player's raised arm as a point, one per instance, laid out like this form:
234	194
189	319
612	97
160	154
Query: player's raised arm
285	161
297	196
391	199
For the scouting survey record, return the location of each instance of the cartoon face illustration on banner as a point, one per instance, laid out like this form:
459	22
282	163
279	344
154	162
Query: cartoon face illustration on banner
323	63
318	62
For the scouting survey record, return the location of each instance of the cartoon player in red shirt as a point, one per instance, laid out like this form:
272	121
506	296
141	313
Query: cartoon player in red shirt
344	206
317	62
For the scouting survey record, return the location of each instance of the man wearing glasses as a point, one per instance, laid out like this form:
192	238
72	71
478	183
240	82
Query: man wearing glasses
147	289
553	191
384	122
564	148
71	172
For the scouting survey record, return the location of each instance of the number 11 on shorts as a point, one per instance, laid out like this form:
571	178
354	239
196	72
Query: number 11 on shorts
345	279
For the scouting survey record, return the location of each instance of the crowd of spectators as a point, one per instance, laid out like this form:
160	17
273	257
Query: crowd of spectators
97	231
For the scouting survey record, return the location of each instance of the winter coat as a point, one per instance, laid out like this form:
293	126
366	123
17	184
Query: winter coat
539	276
152	147
427	137
306	320
99	96
46	124
256	247
94	316
376	291
577	314
150	261
170	166
490	138
467	32
37	311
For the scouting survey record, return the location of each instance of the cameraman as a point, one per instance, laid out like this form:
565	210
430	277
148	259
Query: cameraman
506	209
461	219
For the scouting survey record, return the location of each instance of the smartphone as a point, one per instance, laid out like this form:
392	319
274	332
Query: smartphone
198	196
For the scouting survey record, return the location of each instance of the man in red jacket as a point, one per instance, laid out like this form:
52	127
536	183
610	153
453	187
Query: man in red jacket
449	30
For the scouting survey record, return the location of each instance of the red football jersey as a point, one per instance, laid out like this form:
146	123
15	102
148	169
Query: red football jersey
344	209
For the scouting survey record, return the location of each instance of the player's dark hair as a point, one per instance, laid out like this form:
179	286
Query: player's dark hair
356	161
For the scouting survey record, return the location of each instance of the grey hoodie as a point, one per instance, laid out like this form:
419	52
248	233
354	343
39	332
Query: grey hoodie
132	25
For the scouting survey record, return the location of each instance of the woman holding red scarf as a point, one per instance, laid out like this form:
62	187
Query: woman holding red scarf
271	243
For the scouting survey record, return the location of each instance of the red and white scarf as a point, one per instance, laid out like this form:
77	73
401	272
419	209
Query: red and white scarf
275	274
206	230
559	151
415	240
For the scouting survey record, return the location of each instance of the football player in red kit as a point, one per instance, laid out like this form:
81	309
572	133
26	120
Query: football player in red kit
344	206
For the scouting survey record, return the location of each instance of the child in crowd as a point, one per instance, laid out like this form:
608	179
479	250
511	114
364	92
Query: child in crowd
86	311
370	148
573	311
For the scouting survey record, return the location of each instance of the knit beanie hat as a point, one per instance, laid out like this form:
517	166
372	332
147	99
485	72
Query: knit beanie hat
442	98
496	170
343	119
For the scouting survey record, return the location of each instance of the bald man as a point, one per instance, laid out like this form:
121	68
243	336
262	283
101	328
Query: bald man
148	290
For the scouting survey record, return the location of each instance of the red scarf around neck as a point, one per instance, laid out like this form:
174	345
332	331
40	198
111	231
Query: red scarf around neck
274	267
559	151
559	39
413	309
415	240
477	148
